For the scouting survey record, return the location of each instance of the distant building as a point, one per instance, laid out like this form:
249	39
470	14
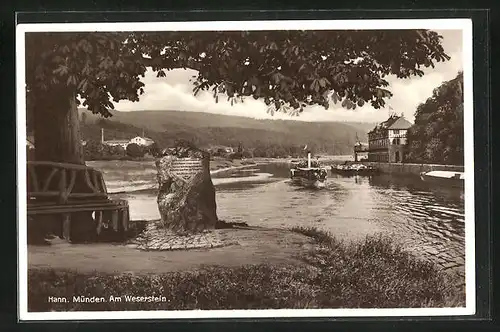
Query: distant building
144	141
139	140
360	151
117	142
387	141
219	149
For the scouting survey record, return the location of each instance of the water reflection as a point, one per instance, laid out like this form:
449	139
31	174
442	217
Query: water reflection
428	220
425	219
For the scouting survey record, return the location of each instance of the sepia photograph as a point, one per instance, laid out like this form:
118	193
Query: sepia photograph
245	169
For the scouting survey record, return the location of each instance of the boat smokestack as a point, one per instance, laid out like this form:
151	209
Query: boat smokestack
309	160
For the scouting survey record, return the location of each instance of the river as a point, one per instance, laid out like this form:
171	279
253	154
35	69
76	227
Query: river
424	219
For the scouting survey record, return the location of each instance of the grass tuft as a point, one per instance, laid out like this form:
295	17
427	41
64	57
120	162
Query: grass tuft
373	273
378	273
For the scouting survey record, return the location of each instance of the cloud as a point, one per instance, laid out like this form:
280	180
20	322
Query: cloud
174	92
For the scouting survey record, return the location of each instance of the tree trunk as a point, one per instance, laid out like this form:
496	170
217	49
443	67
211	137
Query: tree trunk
57	139
57	129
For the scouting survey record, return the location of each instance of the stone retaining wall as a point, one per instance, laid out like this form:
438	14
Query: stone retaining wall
416	169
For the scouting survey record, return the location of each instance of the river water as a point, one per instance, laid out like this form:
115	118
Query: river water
424	219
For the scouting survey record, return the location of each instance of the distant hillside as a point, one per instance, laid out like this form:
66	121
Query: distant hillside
207	129
362	127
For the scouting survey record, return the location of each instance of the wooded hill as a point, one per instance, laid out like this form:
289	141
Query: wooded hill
438	133
207	129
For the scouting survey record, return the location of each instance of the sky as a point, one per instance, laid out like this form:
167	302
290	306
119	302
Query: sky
174	92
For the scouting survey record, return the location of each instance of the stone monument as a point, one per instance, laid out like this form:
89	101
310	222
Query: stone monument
186	196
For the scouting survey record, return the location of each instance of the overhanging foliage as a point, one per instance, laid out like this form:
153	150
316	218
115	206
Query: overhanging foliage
288	69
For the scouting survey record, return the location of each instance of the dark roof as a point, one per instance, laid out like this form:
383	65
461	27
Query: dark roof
389	122
400	123
393	122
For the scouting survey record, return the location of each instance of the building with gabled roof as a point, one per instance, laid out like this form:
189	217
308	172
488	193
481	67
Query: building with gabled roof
143	141
139	140
360	150
387	141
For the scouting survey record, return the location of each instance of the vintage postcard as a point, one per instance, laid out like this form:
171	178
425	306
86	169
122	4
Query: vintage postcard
245	169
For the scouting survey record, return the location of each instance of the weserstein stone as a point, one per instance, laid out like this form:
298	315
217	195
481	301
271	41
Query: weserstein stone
186	196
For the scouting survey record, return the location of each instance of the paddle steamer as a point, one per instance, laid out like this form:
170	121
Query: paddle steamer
309	174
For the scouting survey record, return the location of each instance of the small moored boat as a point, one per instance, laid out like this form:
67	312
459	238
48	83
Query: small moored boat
307	175
444	178
354	169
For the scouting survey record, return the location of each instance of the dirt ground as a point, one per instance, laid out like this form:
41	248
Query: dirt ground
254	246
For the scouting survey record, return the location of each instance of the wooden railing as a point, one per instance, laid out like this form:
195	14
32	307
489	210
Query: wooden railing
50	179
65	189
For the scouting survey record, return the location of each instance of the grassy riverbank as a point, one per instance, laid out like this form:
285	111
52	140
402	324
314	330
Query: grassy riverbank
373	273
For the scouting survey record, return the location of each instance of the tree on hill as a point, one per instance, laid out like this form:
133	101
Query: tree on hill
438	133
288	69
